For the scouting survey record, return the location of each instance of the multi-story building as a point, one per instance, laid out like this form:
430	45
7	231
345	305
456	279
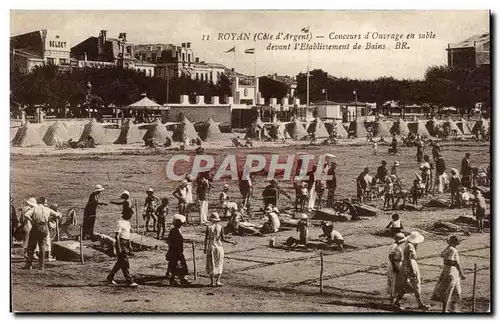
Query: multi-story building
175	61
39	48
470	53
104	51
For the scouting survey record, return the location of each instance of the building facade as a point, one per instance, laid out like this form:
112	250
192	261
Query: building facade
470	53
39	48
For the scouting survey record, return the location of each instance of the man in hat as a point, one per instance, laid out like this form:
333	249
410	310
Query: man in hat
466	171
125	203
175	256
331	184
362	184
181	195
394	265
479	209
90	211
381	173
455	188
150	204
123	249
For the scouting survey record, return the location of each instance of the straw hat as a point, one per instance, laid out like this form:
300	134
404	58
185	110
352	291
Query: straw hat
303	216
399	237
453	170
178	217
453	240
396	163
415	237
268	209
275	209
32	202
125	192
98	188
214	217
184	182
150	190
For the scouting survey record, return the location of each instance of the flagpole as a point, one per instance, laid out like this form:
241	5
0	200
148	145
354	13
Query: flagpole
307	82
234	61
254	64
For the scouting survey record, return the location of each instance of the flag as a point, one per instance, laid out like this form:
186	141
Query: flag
250	51
232	50
305	29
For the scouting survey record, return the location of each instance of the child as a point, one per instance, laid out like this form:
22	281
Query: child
479	209
302	228
415	191
331	235
161	215
181	195
464	197
375	148
320	190
396	225
455	183
123	248
389	192
125	203
302	193
149	208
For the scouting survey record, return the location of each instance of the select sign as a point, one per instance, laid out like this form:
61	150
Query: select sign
57	44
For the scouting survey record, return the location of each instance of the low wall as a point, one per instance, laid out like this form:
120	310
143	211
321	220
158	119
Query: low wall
198	113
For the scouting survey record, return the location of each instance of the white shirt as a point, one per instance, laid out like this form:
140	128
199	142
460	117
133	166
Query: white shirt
123	229
396	223
335	235
189	193
275	221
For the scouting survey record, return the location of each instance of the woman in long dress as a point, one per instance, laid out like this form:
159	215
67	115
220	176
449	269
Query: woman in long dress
448	289
214	236
409	279
90	211
394	263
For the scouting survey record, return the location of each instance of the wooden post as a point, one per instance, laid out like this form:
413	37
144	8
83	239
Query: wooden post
81	245
194	262
57	230
321	274
474	289
142	237
136	217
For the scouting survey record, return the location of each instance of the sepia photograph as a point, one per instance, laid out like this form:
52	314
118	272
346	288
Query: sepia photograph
250	161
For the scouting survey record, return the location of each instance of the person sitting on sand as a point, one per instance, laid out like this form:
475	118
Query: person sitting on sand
272	225
465	197
332	236
233	226
395	225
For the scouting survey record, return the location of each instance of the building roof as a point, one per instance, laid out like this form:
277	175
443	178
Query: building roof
472	41
27	53
216	65
144	103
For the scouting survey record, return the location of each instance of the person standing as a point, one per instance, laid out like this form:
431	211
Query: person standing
425	171
466	171
479	209
246	186
331	184
125	203
175	256
436	150
455	188
161	215
394	264
388	193
420	149
394	169
214	236
409	279
381	173
202	191
311	187
90	211
440	171
362	184
181	195
123	249
150	204
448	288
14	221
189	196
27	222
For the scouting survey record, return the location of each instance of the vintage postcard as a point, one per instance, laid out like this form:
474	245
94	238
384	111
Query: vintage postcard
250	161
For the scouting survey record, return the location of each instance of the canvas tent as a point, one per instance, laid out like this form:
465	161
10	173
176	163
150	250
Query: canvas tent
278	131
158	132
296	130
57	133
418	127
340	131
432	125
359	129
400	128
144	104
453	126
28	135
185	129
96	131
254	130
381	129
318	128
463	126
129	133
210	131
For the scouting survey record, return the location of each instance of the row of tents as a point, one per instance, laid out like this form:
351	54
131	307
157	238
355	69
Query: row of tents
30	134
298	130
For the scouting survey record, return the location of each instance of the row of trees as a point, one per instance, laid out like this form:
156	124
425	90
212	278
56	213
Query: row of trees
48	87
442	86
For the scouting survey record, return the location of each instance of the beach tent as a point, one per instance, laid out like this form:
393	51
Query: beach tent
158	132
464	127
418	127
28	135
277	131
129	133
144	104
185	129
210	131
255	128
432	125
57	133
340	131
96	131
453	126
359	129
318	128
296	130
381	129
400	128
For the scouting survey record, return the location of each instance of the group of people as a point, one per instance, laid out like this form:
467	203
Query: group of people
403	274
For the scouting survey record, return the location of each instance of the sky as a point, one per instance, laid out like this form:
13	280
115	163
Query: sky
152	27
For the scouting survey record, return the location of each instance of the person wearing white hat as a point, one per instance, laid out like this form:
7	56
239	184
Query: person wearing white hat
125	203
409	280
150	204
177	266
394	262
90	211
214	236
272	224
224	200
181	195
394	169
303	229
448	288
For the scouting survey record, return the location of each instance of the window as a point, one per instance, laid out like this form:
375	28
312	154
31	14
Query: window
197	76
129	50
201	77
149	73
51	61
212	77
153	57
189	58
63	61
183	57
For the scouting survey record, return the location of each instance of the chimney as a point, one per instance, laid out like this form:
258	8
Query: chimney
101	42
184	99
188	45
197	59
274	101
215	100
85	56
200	99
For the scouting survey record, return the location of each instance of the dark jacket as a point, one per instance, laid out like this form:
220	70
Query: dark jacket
175	243
440	166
